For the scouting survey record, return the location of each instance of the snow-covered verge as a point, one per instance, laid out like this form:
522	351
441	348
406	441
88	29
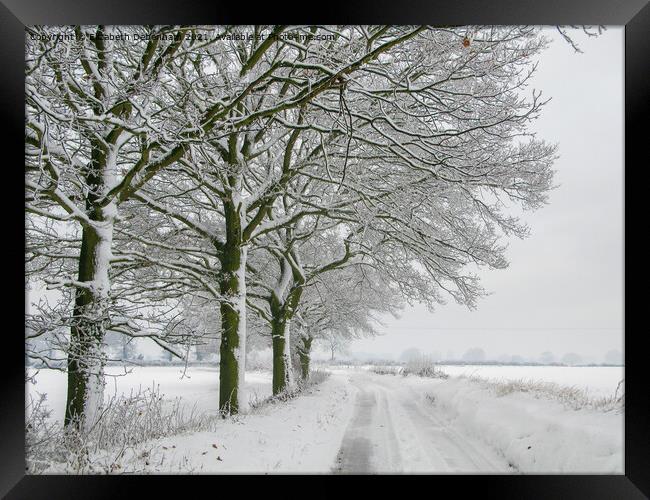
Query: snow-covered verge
299	434
534	432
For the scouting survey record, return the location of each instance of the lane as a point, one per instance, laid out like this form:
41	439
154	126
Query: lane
355	448
393	431
369	442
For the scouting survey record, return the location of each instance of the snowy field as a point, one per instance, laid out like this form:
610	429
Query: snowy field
596	380
198	386
357	421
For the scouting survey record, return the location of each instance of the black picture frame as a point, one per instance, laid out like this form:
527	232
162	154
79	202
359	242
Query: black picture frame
633	14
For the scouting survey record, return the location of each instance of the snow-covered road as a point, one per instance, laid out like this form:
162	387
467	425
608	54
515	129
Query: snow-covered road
393	430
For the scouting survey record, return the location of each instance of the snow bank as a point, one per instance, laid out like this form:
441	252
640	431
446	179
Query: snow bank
533	435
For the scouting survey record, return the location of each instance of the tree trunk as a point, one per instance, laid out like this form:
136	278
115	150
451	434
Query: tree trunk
282	378
90	317
287	351
296	341
233	313
304	351
283	307
279	365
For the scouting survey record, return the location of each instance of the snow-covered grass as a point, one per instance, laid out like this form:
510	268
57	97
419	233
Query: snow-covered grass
123	423
571	397
316	377
423	367
386	370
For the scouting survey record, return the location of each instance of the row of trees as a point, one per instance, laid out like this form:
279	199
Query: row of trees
190	183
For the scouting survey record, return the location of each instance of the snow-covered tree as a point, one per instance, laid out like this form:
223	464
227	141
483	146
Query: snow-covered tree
410	354
240	174
160	166
614	357
571	359
547	358
342	305
107	109
474	354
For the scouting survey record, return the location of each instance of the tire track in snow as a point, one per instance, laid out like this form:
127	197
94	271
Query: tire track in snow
369	440
420	442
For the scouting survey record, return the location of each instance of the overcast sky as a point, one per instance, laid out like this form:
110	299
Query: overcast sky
563	290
